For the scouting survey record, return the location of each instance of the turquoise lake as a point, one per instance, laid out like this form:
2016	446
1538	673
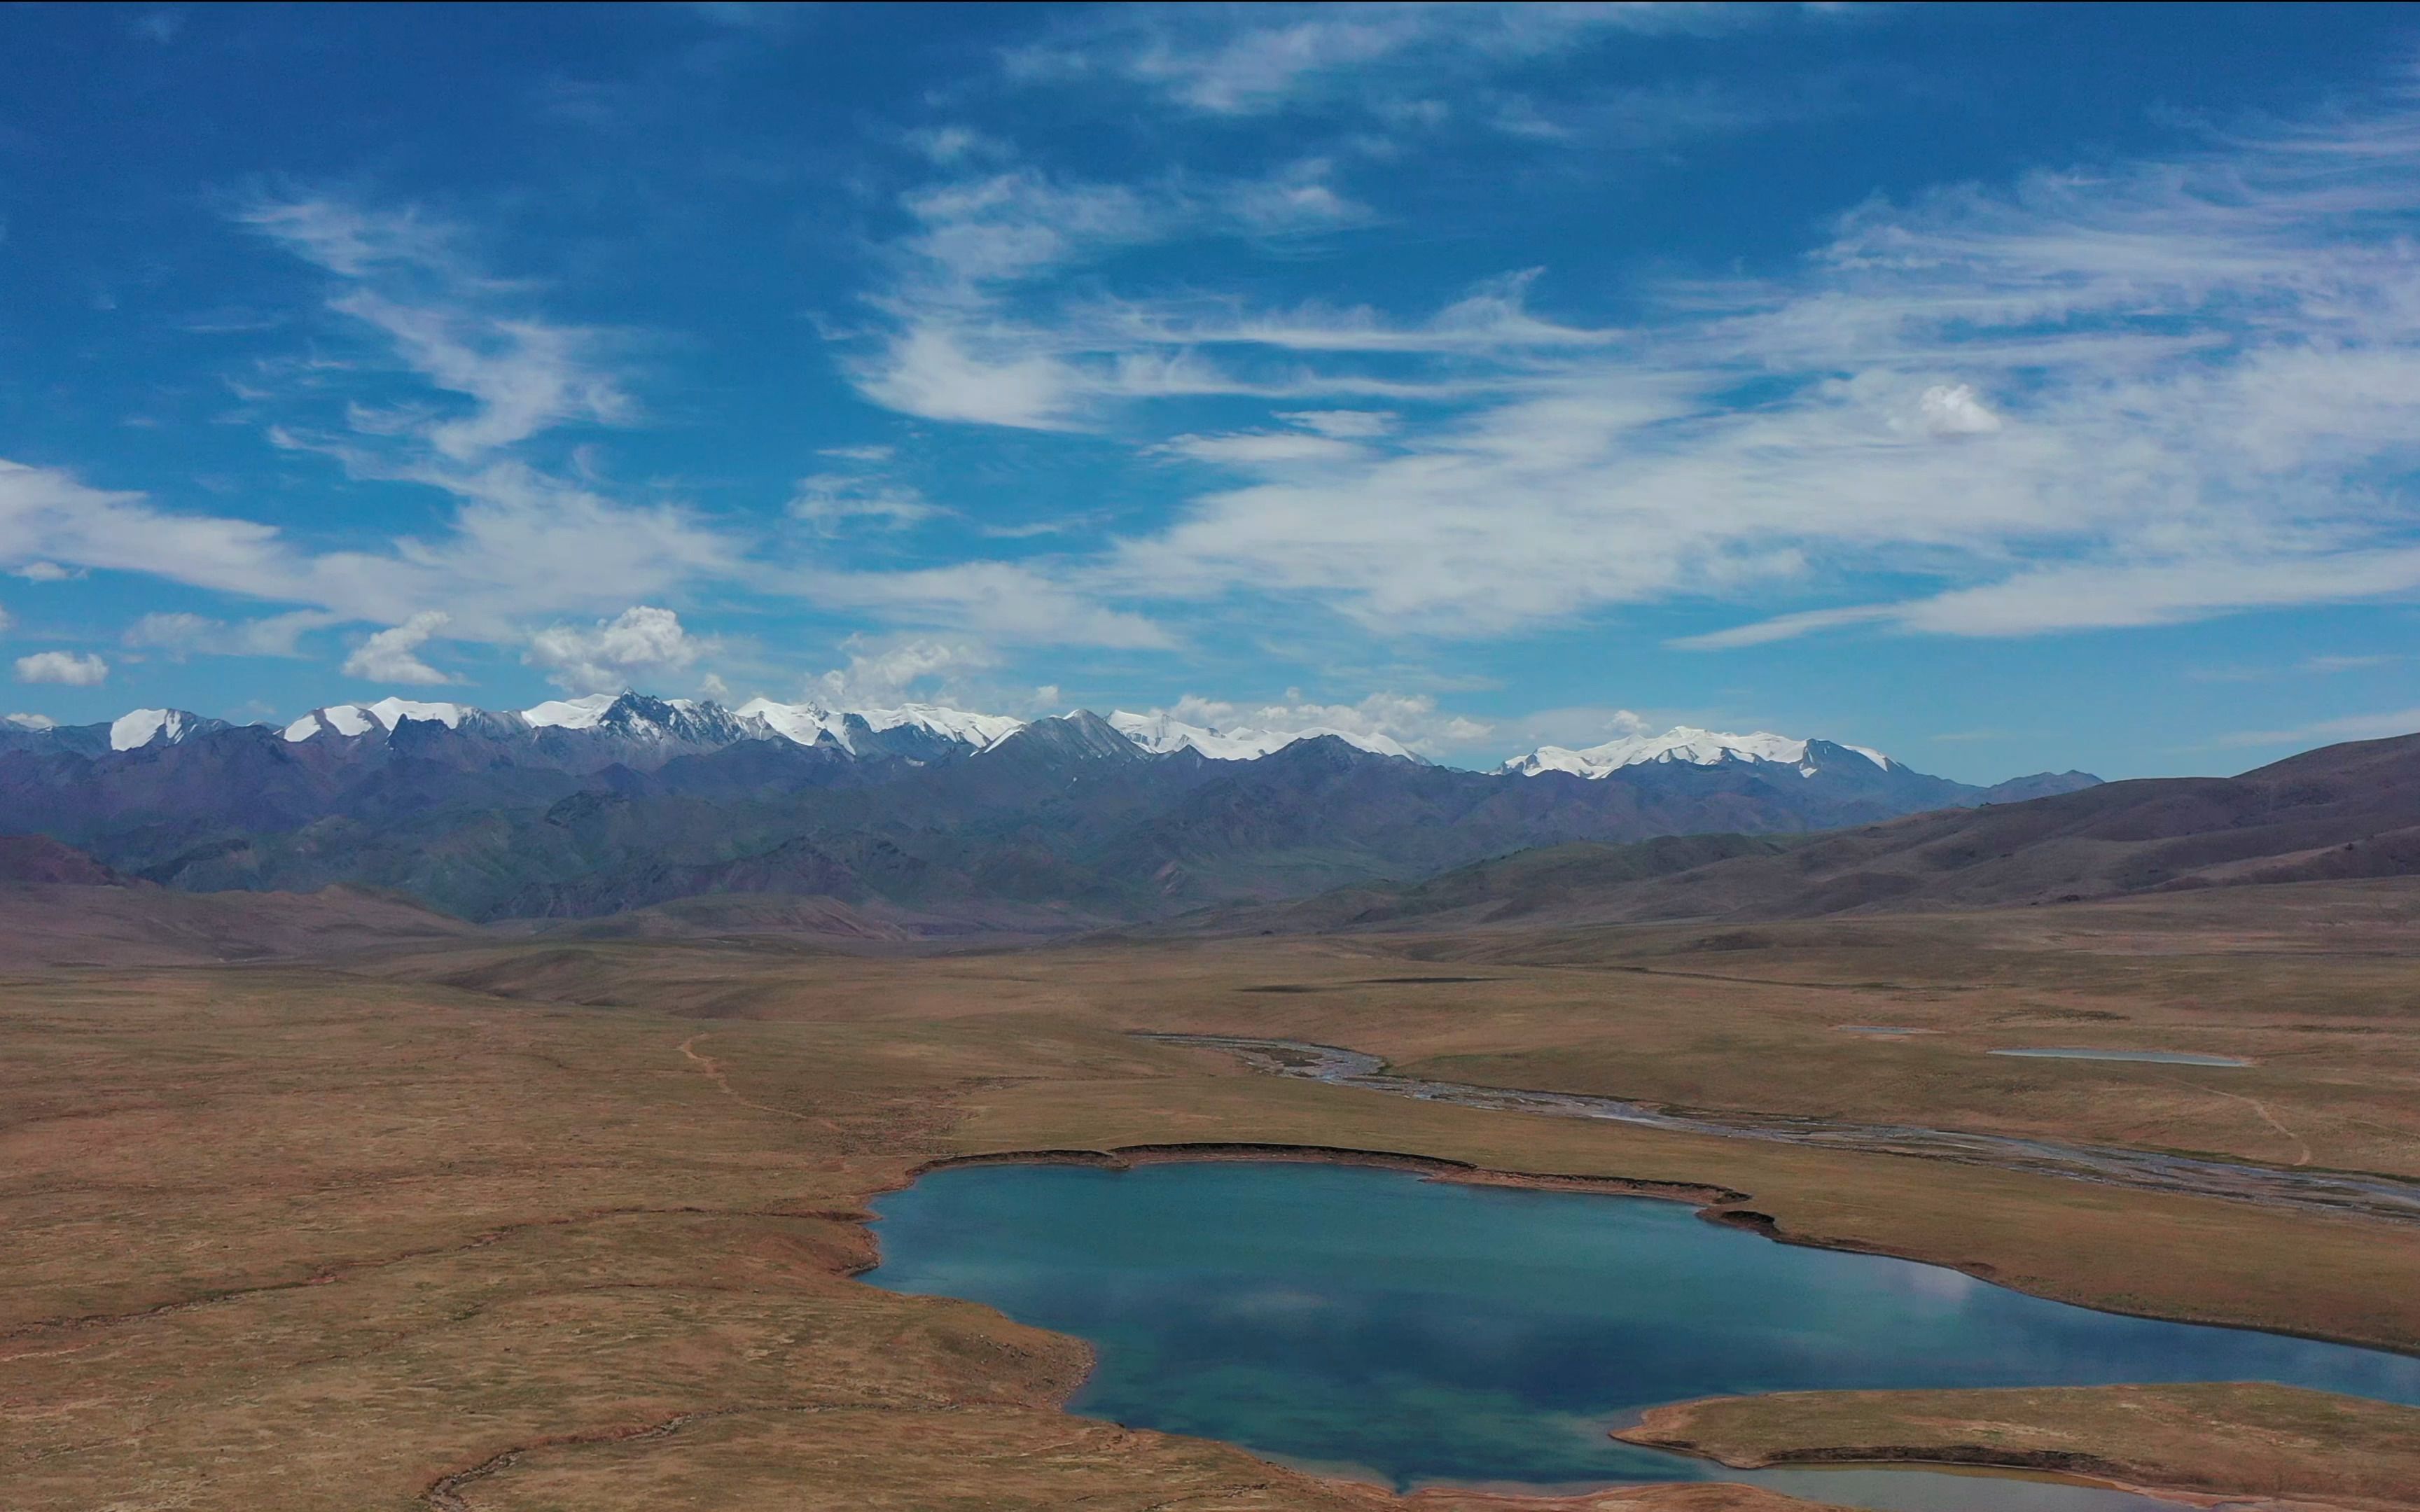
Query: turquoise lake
1371	1321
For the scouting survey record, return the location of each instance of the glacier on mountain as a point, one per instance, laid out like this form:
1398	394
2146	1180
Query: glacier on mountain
569	714
1162	733
1681	743
350	719
651	729
806	723
138	728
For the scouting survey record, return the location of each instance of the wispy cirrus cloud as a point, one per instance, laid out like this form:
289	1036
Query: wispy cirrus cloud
2135	394
1007	603
2351	727
448	381
973	329
1252	60
179	635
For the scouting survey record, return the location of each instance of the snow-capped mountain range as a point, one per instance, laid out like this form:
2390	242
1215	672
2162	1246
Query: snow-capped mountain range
1685	743
704	724
589	806
698	724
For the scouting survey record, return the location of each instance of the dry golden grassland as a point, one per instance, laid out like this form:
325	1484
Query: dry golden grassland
553	1225
2225	1437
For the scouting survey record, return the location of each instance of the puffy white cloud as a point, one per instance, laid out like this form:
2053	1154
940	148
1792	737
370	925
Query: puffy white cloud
1952	409
1413	719
392	655
29	721
74	669
882	672
41	572
641	643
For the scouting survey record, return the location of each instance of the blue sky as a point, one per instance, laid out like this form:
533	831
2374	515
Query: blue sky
2005	388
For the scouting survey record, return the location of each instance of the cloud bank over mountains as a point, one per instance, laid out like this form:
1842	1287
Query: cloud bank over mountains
1312	384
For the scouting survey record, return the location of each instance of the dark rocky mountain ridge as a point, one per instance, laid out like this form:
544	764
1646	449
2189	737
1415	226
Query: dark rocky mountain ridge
2340	813
651	801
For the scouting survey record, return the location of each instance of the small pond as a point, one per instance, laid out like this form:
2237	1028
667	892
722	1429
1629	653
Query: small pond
1370	1322
2164	1058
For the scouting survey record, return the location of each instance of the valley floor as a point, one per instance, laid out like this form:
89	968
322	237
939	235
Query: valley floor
515	1227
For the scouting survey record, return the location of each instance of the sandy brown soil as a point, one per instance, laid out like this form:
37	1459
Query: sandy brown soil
573	1225
2275	1441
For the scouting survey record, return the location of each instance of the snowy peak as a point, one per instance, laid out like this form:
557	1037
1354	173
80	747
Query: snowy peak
1684	743
352	719
1082	736
807	723
569	714
139	728
688	721
1164	734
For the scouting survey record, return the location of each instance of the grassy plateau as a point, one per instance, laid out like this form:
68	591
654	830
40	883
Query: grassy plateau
472	1223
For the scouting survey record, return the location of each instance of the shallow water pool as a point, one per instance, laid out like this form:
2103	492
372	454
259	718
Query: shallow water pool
1371	1321
2164	1058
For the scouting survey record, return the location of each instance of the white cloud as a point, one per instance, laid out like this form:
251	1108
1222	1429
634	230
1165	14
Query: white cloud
885	672
29	721
957	343
522	376
830	501
1952	409
392	655
407	278
1247	60
950	145
1785	627
1414	719
2140	395
2355	727
641	643
182	635
1260	448
522	540
944	373
74	669
1343	425
1006	601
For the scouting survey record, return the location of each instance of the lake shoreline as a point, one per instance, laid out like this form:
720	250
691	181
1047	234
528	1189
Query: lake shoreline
1714	1204
2123	1437
1718	1205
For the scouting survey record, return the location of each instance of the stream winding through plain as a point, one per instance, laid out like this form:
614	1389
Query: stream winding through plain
2336	1193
